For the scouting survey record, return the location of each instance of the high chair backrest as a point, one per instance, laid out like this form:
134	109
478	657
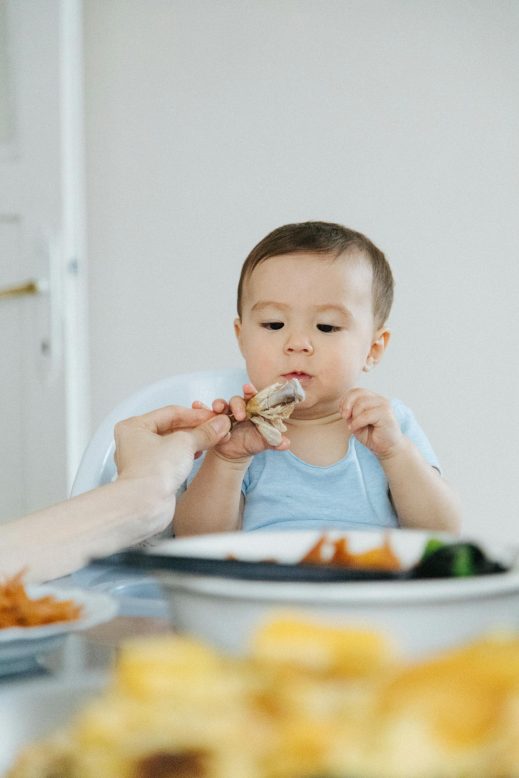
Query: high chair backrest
97	465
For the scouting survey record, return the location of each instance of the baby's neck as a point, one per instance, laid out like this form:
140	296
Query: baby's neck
321	441
331	418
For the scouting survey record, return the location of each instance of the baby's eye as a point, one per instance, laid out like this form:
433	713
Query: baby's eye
273	325
328	328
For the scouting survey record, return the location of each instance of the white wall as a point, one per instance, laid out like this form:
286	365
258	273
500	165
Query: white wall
211	123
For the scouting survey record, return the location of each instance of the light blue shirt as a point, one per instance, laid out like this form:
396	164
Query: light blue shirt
282	492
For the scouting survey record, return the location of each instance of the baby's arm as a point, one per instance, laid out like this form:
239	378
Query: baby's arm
421	497
213	501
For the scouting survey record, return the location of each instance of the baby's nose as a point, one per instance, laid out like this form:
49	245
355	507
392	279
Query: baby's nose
299	342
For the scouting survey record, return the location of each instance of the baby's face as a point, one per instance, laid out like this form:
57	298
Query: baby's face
308	316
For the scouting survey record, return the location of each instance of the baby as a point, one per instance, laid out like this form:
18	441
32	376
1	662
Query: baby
313	301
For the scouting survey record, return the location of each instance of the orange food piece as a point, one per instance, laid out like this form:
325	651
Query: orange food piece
380	558
315	555
17	609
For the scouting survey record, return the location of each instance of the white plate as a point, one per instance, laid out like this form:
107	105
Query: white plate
20	647
289	547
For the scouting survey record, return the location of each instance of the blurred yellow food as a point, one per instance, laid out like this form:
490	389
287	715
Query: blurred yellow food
321	647
309	701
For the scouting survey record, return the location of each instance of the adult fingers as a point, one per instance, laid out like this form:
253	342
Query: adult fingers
210	433
198	404
167	419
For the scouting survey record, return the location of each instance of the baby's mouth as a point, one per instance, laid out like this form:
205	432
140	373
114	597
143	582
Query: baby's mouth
302	377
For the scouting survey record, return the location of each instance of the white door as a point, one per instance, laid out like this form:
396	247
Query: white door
38	270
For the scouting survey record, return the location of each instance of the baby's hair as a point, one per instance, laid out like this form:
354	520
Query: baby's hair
324	238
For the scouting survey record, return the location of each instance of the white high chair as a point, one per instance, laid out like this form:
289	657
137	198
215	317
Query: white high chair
97	465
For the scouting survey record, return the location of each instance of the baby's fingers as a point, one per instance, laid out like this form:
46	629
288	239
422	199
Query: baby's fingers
367	417
372	411
357	400
220	406
249	390
237	407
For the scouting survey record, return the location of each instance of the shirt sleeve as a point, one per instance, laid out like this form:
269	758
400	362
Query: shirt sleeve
412	430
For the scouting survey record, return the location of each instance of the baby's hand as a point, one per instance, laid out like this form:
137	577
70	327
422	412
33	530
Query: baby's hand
371	419
244	439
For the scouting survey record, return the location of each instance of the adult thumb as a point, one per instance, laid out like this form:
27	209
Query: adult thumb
211	432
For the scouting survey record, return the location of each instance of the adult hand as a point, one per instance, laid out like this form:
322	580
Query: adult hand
162	444
154	454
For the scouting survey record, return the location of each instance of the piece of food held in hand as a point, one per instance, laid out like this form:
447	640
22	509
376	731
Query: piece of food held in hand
269	408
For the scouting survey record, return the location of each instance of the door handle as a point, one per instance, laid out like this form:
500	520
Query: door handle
23	289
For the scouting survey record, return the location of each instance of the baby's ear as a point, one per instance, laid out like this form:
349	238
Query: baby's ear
377	349
237	332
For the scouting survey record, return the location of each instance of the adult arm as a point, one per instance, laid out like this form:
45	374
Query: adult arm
154	454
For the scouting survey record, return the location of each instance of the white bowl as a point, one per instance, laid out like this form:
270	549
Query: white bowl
421	615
